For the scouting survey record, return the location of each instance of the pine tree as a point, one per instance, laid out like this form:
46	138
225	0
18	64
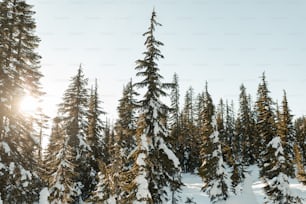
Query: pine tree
19	75
95	140
101	192
73	112
156	167
174	119
300	148
61	181
272	164
245	128
125	126
276	177
188	152
230	141
265	126
212	170
287	134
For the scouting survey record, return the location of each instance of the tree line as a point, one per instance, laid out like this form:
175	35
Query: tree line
139	158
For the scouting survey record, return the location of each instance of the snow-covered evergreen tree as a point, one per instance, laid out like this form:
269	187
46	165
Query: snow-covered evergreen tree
245	128
95	140
19	75
61	182
156	167
212	170
276	175
73	112
188	148
266	125
125	126
101	193
287	133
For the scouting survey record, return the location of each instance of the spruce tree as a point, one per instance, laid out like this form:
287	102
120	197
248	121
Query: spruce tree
300	148
188	150
101	193
266	126
212	170
287	133
125	126
73	112
276	175
19	76
95	140
156	167
273	168
174	119
245	128
61	181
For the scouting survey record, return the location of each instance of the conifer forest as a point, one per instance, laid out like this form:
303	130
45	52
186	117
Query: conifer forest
142	156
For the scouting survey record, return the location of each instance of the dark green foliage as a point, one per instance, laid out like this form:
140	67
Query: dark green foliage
188	139
206	128
125	126
287	133
95	140
266	126
245	129
19	75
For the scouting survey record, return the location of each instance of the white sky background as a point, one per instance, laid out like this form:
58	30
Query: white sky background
226	42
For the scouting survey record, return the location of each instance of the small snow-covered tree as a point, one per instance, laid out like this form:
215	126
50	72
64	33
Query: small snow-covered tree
212	170
101	193
61	183
276	177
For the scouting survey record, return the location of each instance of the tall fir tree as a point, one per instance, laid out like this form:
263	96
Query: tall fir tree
287	133
229	140
206	128
125	126
174	119
245	128
156	167
73	112
19	76
300	148
95	140
265	124
188	149
272	163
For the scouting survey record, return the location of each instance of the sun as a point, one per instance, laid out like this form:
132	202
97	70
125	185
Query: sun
28	105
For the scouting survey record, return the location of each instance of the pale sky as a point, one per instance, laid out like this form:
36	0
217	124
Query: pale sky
226	42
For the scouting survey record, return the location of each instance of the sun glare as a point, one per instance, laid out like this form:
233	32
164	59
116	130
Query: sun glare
28	105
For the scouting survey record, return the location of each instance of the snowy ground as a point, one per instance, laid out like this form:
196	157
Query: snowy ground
252	191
